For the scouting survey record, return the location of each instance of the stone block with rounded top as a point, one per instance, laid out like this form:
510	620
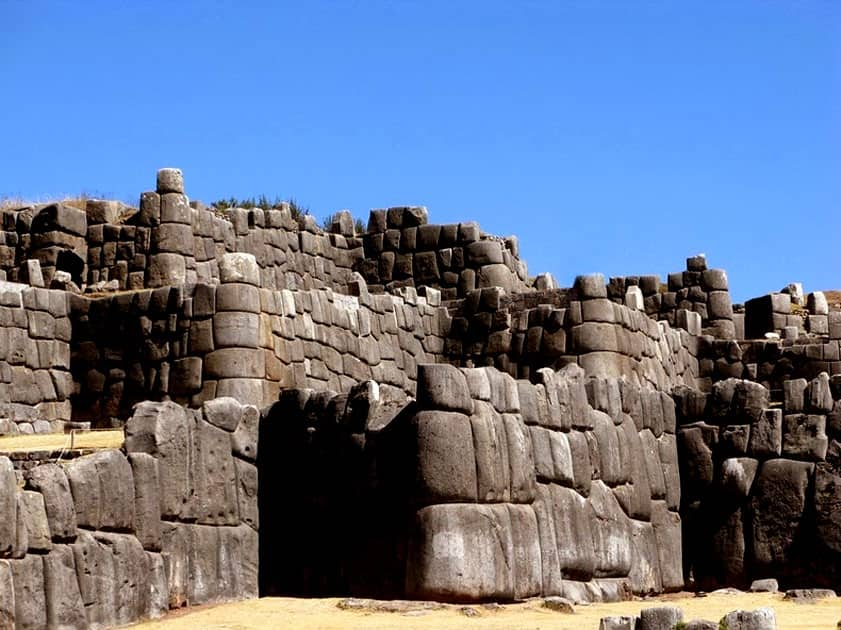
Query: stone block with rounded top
170	180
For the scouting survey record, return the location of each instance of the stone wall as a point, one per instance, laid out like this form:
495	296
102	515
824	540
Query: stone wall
522	333
436	423
35	382
569	486
403	249
192	343
760	482
110	538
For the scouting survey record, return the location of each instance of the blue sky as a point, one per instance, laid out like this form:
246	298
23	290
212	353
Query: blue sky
618	137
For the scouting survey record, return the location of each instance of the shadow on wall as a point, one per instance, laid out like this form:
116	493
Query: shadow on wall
333	505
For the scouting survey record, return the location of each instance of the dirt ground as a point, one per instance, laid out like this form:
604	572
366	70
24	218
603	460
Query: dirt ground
312	614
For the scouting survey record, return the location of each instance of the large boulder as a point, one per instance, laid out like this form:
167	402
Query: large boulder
51	482
65	608
446	457
462	553
778	502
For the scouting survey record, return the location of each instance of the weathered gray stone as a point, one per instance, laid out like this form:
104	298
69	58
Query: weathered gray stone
238	296
616	622
7	596
550	567
172	237
461	552
667	445
667	533
131	573
591	286
224	412
84	485
582	467
95	573
828	505
634	298
493	469
244	439
696	459
794	391
645	576
767	585
804	436
484	253
166	269
736	477
239	267
520	459
170	180
561	459
820	395
809	595
777	501
65	608
817	304
766	434
719	305
576	553
108	497
246	475
35	517
443	387
660	618
759	619
158	590
59	217
165	431
235	363
203	561
147	503
30	599
527	567
8	507
504	393
51	482
651	459
445	457
611	533
479	385
214	476
236	329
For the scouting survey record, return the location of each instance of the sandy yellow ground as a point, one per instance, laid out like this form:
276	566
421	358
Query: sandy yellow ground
106	438
291	613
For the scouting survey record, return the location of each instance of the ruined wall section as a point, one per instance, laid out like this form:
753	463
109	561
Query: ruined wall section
35	381
531	483
696	299
521	334
192	343
761	482
402	249
170	241
110	538
53	234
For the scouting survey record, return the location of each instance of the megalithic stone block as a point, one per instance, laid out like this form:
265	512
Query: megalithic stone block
51	482
147	503
170	180
443	387
8	507
461	552
446	458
